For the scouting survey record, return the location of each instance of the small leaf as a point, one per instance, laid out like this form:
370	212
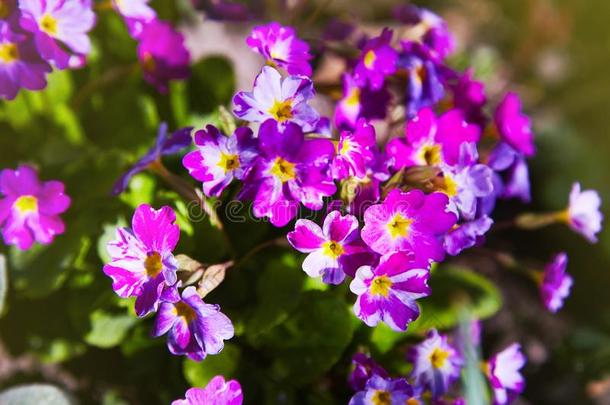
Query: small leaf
198	374
108	330
35	394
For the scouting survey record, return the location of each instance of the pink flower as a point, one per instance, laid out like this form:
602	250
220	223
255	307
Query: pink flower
503	372
514	127
555	283
583	214
217	392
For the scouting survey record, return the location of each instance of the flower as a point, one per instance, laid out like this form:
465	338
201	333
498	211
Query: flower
583	214
288	170
378	60
555	282
502	370
162	54
468	95
29	208
430	140
383	391
412	222
57	24
436	363
281	100
136	13
142	264
512	177
426	28
514	127
281	47
217	392
364	368
355	151
218	158
467	235
194	328
359	102
20	64
333	250
388	292
166	144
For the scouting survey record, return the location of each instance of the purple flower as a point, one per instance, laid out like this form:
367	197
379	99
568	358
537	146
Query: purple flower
364	368
388	292
502	370
583	214
136	13
467	235
555	283
218	158
355	152
378	60
57	25
29	208
383	391
426	28
360	102
333	250
217	392
424	86
194	328
430	140
288	170
436	364
20	64
281	47
514	179
469	96
411	222
514	127
281	100
166	144
142	264
162	54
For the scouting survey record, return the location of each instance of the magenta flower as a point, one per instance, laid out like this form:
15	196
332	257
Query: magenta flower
20	64
194	328
289	170
359	102
355	152
218	158
281	100
555	283
514	127
136	13
29	209
467	235
430	140
436	363
583	214
388	292
512	177
364	367
217	392
378	60
57	25
469	96
503	373
281	47
411	222
427	28
333	250
163	55
382	391
142	264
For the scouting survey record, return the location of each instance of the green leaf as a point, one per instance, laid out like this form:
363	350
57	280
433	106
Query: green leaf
3	282
108	235
35	394
141	190
108	330
225	363
214	77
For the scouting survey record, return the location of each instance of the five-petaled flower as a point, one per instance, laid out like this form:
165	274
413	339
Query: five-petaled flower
217	392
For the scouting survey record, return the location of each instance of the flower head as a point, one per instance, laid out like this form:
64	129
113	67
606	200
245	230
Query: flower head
511	179
467	235
29	208
436	363
426	28
411	222
514	127
333	250
194	328
583	214
388	292
503	372
360	102
383	391
162	54
57	25
280	100
136	13
555	283
281	47
217	392
469	96
142	264
364	367
218	158
355	151
378	60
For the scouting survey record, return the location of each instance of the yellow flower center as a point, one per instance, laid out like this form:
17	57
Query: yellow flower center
449	186
412	401
148	62
430	155
153	265
353	98
345	147
399	226
333	249
382	397
228	162
48	24
438	357
184	310
485	368
281	110
283	170
9	52
369	59
26	204
381	285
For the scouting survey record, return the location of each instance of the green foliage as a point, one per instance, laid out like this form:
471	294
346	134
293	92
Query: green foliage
108	330
226	363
